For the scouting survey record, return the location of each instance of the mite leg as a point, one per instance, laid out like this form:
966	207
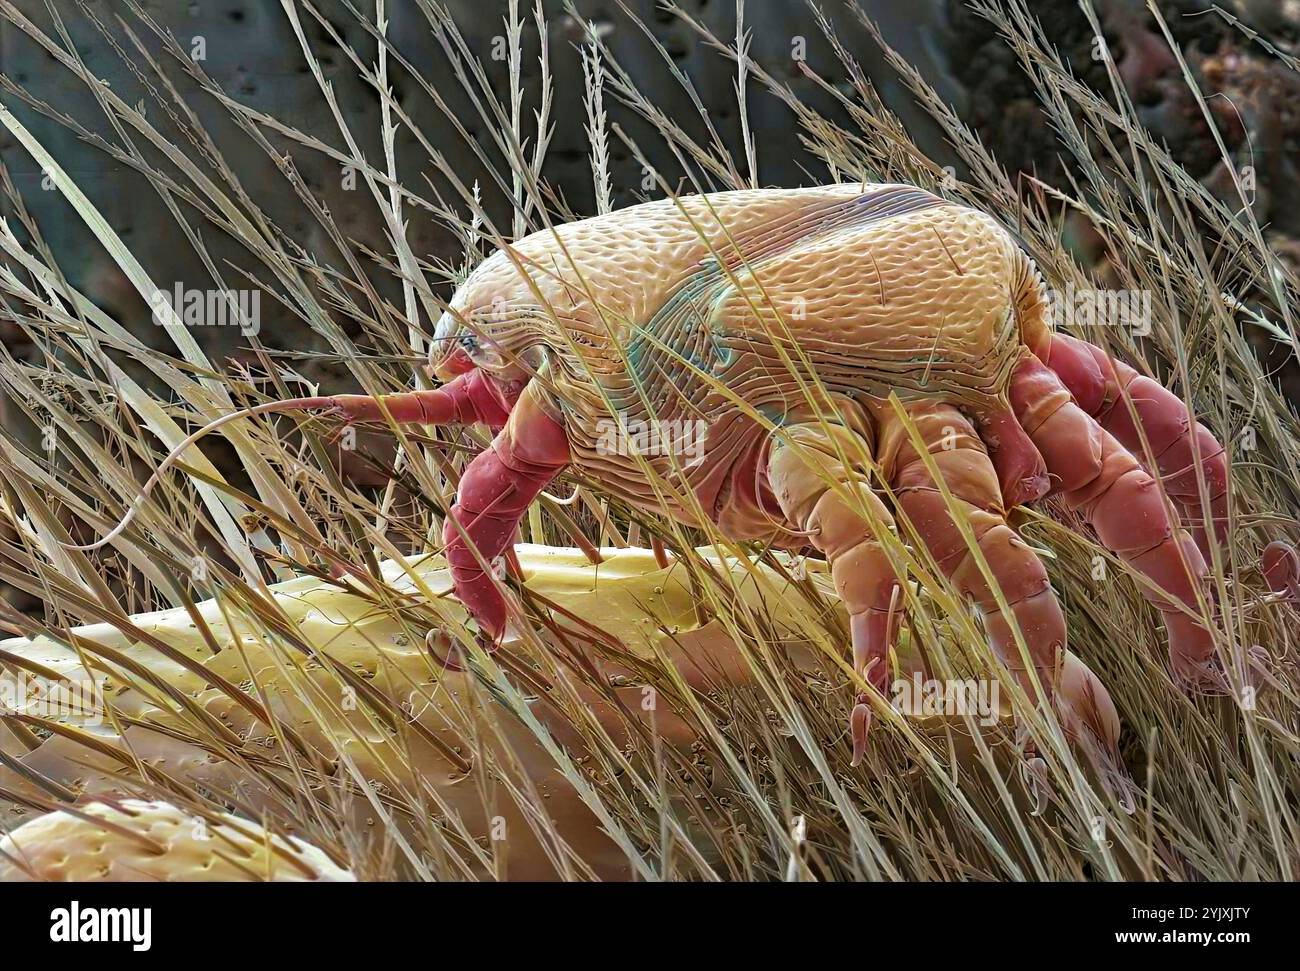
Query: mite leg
1179	446
1281	568
1022	476
495	491
1122	502
471	397
468	399
1090	720
963	464
818	477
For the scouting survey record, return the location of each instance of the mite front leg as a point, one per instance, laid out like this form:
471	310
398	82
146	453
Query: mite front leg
472	397
469	399
809	476
495	492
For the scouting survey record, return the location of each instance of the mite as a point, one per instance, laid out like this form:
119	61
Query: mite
804	331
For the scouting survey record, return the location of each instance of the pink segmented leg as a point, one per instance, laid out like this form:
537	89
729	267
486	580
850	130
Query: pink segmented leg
471	397
1090	720
468	399
1178	445
823	490
1103	481
1281	568
1022	476
495	491
962	462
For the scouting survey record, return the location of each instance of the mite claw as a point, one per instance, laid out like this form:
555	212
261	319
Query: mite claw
1116	781
1207	679
1203	679
1281	568
859	726
1208	687
1033	773
439	645
443	650
1111	772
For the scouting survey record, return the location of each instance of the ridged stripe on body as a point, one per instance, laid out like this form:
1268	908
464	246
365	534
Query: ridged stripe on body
681	338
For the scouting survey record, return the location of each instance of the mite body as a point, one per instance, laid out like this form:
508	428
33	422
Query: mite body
731	358
711	319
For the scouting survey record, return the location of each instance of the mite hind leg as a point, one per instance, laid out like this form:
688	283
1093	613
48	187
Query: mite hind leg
1028	602
1182	451
1043	669
1124	504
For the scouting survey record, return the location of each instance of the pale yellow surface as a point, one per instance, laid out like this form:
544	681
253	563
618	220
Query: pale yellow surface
650	610
143	841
